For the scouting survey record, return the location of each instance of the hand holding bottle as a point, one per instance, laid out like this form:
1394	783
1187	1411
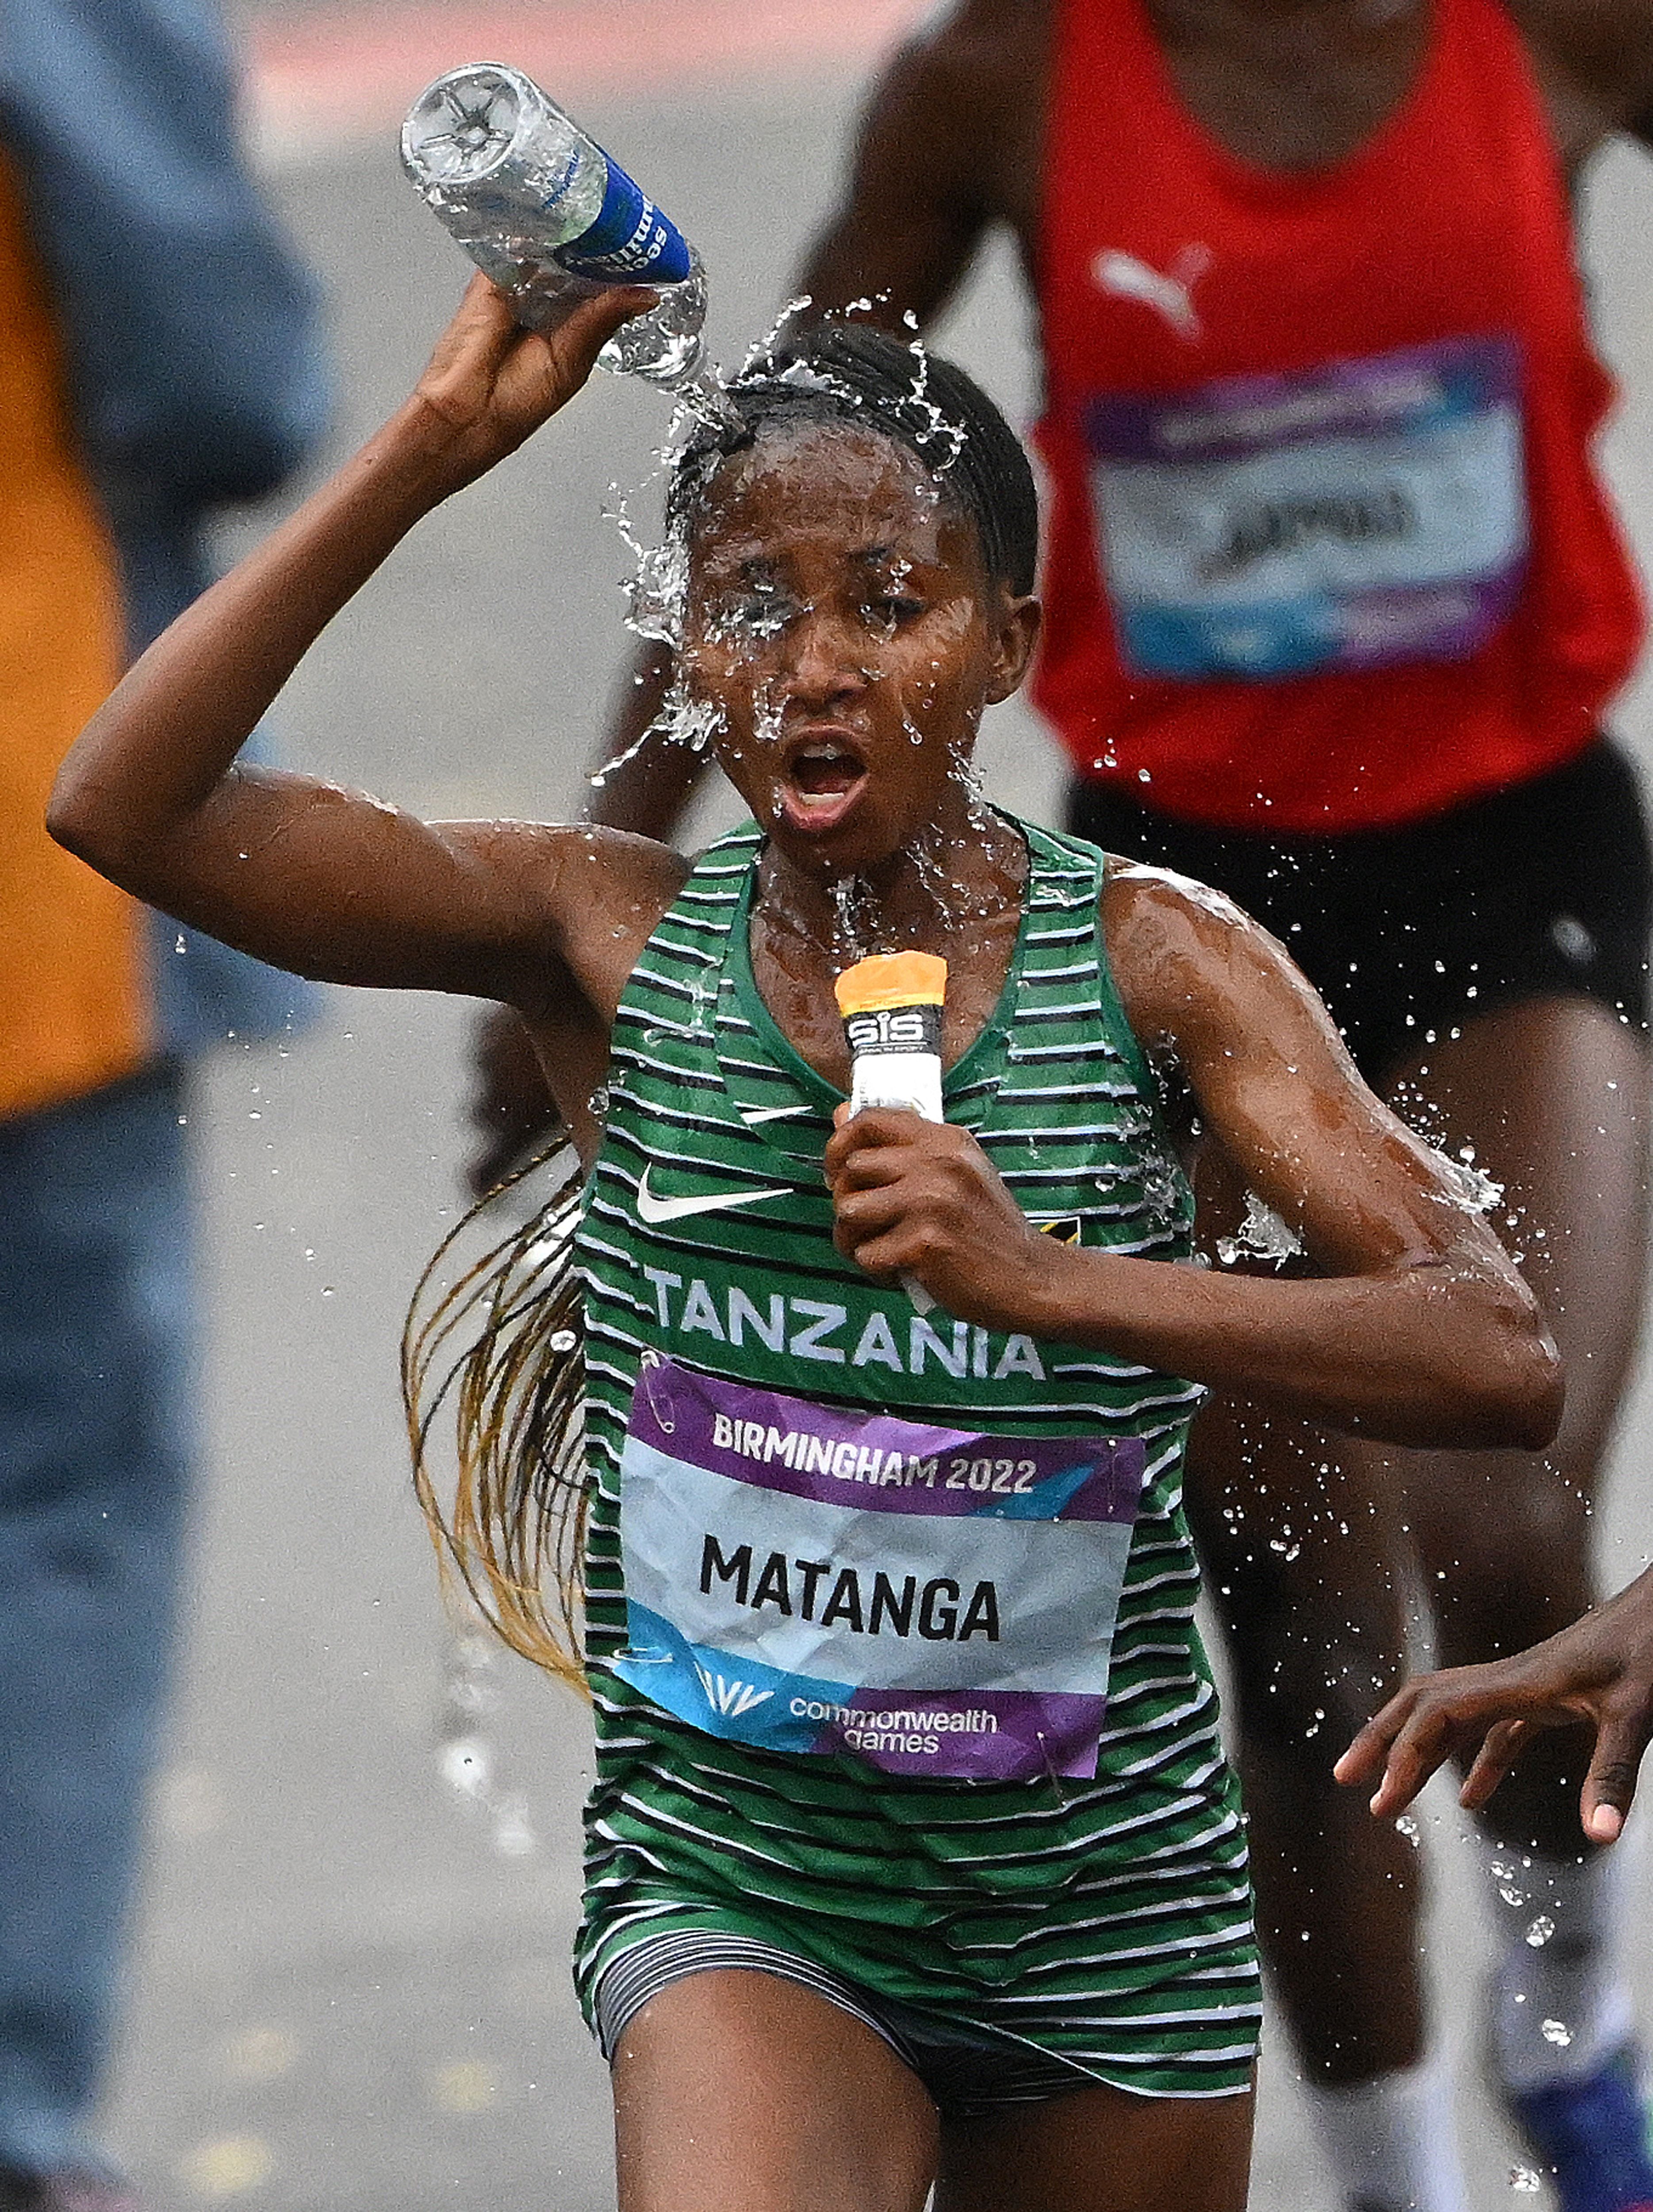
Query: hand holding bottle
490	384
891	1007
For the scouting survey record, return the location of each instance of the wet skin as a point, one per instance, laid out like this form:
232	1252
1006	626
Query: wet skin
843	629
1418	1330
1599	1672
1551	1094
816	2113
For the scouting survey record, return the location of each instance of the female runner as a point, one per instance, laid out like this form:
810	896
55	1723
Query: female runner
914	1860
1336	612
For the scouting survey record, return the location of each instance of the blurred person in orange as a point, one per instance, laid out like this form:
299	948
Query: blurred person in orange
158	358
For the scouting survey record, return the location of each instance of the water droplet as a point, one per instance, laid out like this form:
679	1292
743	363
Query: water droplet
463	1765
1408	1827
1572	939
1556	2032
1261	1235
561	1340
1541	1931
1524	2181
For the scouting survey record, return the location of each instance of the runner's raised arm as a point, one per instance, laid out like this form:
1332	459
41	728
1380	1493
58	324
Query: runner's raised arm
331	883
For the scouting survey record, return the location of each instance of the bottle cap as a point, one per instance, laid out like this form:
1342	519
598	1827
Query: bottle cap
887	980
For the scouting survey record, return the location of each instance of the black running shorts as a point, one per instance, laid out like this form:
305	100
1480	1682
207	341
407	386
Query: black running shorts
1540	890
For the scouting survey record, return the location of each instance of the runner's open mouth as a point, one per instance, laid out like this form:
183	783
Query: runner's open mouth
822	777
825	771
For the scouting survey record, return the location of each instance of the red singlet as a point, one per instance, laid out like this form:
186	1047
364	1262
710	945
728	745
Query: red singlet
1326	548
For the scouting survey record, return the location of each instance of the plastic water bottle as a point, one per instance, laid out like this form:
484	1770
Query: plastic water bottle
552	220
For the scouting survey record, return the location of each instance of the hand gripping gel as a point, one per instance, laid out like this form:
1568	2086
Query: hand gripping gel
545	213
892	1007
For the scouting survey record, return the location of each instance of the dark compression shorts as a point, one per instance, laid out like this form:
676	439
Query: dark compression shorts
1542	890
969	2071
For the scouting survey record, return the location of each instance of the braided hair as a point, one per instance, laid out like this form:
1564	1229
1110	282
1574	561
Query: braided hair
855	375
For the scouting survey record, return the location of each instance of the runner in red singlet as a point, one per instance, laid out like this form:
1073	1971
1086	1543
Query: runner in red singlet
1326	548
1335	606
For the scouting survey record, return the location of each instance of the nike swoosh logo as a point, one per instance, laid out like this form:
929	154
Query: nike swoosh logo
751	1115
653	1211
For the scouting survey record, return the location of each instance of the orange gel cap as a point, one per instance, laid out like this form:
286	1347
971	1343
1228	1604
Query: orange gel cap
888	980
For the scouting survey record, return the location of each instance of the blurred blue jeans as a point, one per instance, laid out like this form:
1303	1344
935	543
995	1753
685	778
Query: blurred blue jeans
95	1386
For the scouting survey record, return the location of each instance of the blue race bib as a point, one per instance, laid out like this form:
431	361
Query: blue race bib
1356	515
824	1579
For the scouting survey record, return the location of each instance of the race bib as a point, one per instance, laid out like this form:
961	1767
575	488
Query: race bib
812	1578
1351	516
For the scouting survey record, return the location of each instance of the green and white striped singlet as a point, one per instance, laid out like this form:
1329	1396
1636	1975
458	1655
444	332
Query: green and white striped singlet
1105	1922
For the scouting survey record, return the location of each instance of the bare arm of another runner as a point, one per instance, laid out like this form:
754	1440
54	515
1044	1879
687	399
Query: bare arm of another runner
1598	1671
328	882
1418	1329
1594	61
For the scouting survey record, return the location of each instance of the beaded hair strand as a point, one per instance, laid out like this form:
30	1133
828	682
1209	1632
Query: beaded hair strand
502	1348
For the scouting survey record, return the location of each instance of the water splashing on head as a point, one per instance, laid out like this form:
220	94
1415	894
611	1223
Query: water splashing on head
781	656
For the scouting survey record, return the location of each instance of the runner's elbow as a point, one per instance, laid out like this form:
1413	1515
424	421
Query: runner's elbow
1546	1393
1518	1385
91	816
74	820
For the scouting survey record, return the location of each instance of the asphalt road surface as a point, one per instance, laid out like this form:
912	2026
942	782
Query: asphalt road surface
350	1985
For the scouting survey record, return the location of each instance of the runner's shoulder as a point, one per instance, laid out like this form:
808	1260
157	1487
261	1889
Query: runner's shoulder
1157	904
591	895
972	58
1177	949
1594	62
635	879
586	858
